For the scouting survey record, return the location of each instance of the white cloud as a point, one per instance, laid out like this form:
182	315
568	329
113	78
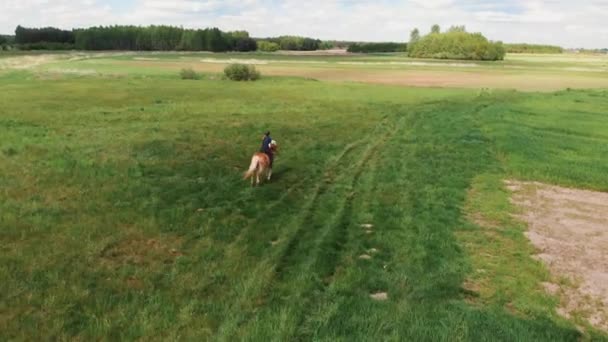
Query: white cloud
563	22
60	13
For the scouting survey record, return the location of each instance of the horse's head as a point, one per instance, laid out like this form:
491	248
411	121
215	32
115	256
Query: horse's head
274	146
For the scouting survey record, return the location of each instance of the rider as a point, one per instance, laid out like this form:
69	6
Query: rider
266	140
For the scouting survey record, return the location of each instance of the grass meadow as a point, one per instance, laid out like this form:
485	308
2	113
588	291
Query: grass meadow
123	213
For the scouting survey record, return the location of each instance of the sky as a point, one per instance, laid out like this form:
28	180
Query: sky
568	23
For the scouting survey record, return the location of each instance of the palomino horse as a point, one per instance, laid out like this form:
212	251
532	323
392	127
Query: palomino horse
260	164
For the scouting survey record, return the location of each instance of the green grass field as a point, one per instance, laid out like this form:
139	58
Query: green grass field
123	213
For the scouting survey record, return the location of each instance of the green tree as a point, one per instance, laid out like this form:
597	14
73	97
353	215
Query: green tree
266	46
457	28
325	45
457	44
414	36
435	29
187	41
239	34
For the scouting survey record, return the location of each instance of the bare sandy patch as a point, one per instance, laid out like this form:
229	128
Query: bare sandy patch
82	72
27	62
569	227
146	58
379	296
331	52
437	64
235	60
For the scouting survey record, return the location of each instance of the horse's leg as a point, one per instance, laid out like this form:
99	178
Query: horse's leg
269	173
257	175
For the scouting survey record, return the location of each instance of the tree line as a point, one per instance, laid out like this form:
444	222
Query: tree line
295	43
136	38
6	41
25	35
158	37
377	47
456	43
533	48
45	38
162	38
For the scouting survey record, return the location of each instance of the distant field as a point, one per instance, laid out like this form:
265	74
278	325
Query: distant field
123	214
519	71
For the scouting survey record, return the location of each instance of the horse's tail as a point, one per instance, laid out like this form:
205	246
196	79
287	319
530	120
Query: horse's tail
254	165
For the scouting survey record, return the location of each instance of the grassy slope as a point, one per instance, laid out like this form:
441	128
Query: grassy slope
123	214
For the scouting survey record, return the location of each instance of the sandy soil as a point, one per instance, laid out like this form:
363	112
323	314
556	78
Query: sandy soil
331	52
27	62
569	227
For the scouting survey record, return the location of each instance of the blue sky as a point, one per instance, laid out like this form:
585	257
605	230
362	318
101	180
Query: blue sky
568	23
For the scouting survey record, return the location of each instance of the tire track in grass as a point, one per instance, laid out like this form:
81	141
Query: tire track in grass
323	186
327	238
337	237
331	254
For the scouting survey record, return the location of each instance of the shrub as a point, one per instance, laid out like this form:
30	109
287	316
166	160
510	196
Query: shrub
189	74
241	72
266	46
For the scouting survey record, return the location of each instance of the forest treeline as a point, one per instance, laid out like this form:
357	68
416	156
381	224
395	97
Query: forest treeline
455	43
136	38
533	48
377	47
157	38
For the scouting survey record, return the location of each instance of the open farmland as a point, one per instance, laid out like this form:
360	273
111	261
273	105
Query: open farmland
123	213
522	72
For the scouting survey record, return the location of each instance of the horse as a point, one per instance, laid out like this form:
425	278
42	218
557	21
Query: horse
260	164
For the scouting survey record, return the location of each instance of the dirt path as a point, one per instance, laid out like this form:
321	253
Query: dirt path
569	228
